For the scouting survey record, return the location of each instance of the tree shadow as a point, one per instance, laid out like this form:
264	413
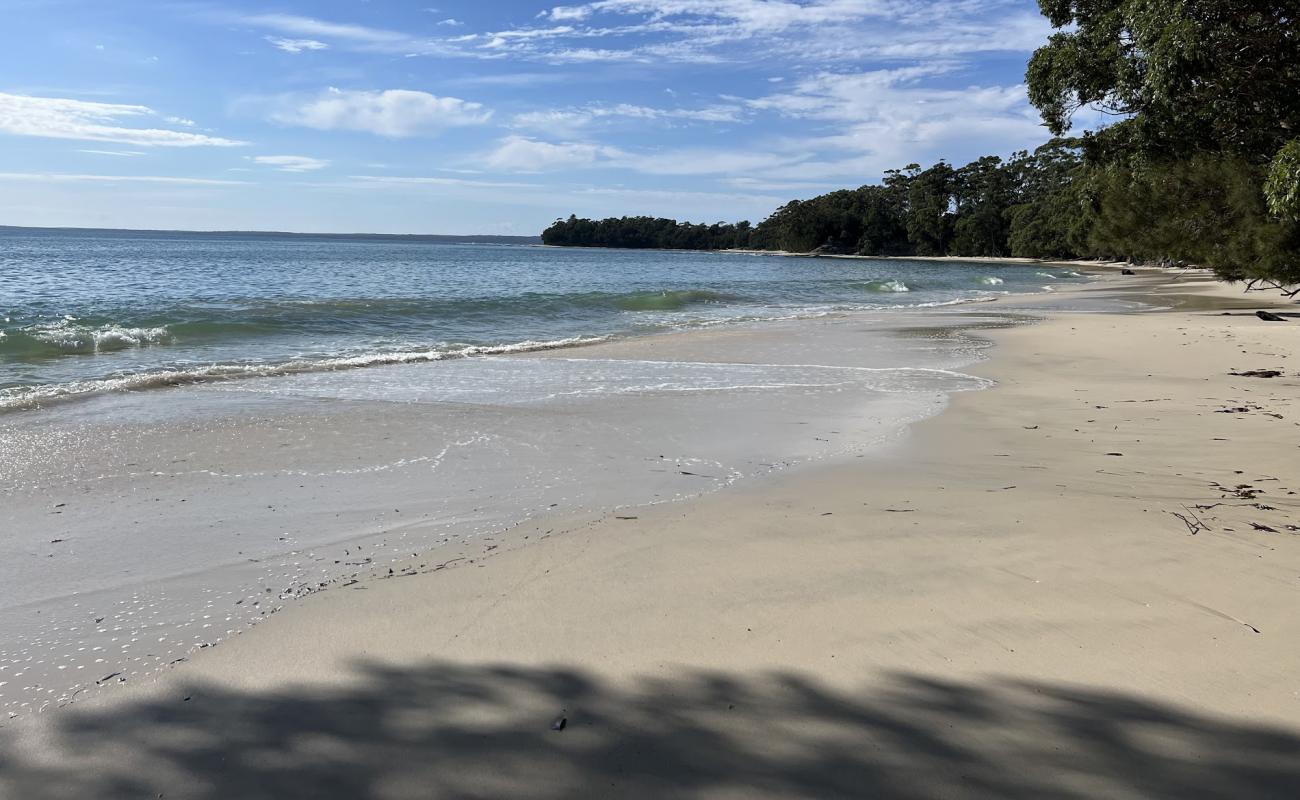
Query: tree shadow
462	731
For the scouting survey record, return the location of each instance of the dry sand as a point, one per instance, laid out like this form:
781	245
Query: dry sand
1009	606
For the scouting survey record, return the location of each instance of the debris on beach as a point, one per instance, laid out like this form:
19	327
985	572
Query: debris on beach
1269	316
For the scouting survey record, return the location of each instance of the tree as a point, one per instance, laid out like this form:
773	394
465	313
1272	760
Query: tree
1282	188
1187	75
1052	216
930	210
1208	94
983	189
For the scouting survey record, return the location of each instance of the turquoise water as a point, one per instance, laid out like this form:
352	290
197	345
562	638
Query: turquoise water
86	312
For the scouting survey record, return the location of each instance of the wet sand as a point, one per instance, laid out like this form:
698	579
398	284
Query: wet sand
1079	583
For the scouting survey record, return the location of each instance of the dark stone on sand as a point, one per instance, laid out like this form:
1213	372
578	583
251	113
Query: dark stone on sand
1269	316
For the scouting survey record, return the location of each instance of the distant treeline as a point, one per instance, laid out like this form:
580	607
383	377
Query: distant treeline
648	233
986	208
1202	166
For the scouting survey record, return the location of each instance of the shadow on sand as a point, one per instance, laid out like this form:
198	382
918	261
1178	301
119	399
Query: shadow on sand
451	730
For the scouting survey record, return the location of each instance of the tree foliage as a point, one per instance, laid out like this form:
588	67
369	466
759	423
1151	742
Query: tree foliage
647	232
1202	164
1186	75
1282	188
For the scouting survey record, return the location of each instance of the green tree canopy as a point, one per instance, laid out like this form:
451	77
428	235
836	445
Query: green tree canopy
1186	75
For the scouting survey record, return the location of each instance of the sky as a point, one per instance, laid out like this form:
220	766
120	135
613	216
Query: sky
479	116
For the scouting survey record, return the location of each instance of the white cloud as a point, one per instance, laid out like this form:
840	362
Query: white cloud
295	46
855	125
309	27
300	33
392	112
524	154
698	31
567	120
710	161
64	177
292	163
379	181
567	13
752	14
761	184
62	118
121	153
521	154
892	114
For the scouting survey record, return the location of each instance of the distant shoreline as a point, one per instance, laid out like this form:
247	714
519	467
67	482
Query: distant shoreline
1082	263
476	238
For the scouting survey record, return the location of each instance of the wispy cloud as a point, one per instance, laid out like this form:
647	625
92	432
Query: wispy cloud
561	120
522	154
65	177
119	153
850	127
380	181
894	114
694	31
291	163
294	33
63	118
392	112
295	46
752	30
311	27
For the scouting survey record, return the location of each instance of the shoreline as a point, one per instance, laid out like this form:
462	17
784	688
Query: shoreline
36	397
819	611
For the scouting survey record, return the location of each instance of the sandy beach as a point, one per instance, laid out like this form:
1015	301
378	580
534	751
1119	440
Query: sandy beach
1081	582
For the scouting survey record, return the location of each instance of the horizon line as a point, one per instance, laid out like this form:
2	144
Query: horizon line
259	232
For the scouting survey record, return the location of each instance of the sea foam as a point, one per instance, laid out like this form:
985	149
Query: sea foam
890	285
31	397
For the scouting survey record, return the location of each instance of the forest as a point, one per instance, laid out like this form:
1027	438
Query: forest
1199	164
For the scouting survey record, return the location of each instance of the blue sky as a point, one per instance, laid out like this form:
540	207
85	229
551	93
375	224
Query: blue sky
443	116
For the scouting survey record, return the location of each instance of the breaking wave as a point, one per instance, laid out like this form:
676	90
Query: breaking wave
890	285
34	396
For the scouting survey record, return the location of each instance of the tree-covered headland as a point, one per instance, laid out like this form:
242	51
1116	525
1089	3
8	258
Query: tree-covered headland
1200	163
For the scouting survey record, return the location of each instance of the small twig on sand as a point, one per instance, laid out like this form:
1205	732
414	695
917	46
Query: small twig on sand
1194	523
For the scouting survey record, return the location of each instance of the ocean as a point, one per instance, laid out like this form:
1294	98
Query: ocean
196	430
88	312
